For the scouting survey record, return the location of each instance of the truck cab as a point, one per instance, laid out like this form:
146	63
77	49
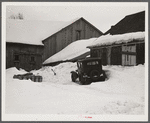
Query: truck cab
89	70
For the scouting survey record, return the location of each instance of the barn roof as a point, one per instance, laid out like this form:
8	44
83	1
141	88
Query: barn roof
30	31
71	52
65	25
107	40
130	23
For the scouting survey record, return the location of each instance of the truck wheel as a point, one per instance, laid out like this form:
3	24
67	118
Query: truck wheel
95	75
81	80
88	81
74	76
103	77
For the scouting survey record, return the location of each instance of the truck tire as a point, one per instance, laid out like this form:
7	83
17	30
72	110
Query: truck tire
74	76
81	80
95	75
88	81
103	77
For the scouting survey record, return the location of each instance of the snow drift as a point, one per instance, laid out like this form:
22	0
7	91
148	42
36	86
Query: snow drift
123	92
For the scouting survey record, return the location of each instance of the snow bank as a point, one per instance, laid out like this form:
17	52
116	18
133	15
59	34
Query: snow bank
118	39
73	50
122	93
11	71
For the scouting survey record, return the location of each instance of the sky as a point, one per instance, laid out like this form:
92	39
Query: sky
101	15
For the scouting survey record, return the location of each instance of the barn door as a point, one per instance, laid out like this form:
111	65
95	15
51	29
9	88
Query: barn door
104	56
109	55
115	55
128	55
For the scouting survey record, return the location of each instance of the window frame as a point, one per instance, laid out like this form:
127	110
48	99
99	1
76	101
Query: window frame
16	57
78	34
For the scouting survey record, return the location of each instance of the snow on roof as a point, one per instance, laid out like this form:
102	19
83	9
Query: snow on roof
73	50
29	31
117	39
32	31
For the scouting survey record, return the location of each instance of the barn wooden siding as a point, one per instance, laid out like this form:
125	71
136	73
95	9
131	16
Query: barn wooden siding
27	57
80	29
125	54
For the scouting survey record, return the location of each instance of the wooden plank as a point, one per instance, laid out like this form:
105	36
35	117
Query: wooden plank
129	53
109	55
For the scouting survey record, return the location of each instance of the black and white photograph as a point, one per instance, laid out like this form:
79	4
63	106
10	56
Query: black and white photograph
74	61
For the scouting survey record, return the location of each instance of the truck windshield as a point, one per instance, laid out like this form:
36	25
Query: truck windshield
79	64
92	63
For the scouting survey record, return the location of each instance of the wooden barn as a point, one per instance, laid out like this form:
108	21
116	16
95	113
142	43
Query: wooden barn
72	31
131	51
25	56
125	49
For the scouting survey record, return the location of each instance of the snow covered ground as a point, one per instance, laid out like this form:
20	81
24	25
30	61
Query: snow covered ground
122	93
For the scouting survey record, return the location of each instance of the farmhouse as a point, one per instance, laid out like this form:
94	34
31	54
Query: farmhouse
72	31
25	56
23	46
124	43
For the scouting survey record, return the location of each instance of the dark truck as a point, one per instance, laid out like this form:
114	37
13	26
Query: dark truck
89	70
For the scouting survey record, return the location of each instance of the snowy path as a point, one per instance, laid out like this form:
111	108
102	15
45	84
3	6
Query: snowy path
122	93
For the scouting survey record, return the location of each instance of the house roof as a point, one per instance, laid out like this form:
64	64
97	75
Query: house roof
65	25
30	31
108	40
130	23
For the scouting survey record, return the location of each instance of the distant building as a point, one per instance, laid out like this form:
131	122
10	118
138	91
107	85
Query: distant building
131	50
130	23
75	30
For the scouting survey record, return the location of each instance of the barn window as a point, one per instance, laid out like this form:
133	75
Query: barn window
32	59
78	34
16	57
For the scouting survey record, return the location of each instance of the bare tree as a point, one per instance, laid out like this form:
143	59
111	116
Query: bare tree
18	16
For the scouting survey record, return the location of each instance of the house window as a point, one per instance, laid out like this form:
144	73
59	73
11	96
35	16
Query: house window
17	61
16	57
78	34
32	60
